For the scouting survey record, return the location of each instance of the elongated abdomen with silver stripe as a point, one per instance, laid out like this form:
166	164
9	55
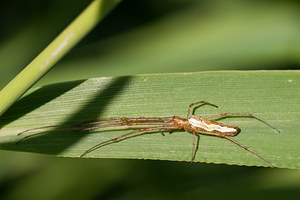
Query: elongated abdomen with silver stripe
212	126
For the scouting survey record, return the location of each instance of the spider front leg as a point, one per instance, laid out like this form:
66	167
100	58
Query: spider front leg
101	121
126	123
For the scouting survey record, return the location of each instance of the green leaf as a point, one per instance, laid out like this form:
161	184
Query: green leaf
271	95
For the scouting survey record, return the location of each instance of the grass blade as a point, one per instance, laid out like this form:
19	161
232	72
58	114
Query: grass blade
54	51
271	95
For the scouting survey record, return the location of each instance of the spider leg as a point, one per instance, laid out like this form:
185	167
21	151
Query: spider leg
246	148
193	149
126	119
192	104
96	127
102	121
242	114
29	136
43	127
125	135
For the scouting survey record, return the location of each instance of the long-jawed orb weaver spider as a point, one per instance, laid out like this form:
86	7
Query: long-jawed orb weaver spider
193	123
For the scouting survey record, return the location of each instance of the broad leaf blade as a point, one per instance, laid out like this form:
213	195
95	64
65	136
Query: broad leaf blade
272	95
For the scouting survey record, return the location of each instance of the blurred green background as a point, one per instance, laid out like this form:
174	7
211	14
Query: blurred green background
148	36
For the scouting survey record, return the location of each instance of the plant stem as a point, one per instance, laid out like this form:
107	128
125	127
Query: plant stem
68	38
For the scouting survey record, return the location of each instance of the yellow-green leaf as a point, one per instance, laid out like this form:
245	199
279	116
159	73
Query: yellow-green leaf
272	95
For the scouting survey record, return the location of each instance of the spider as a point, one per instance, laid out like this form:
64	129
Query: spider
193	123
